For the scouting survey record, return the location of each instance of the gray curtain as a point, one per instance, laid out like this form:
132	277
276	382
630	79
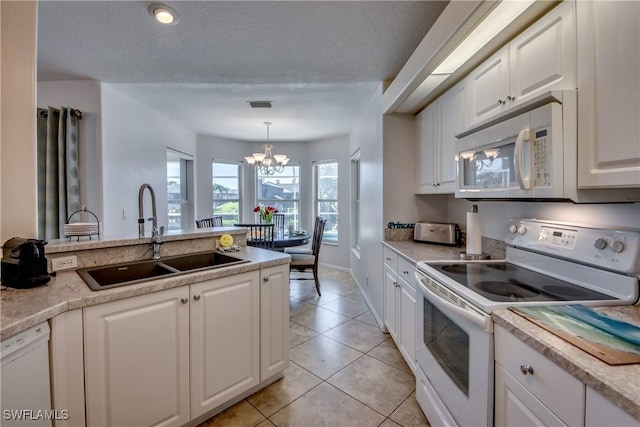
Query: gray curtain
58	169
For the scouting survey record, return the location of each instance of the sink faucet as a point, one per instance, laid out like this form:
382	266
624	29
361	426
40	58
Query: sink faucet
156	239
156	233
141	218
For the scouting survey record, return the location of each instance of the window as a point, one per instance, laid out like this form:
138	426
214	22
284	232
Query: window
326	193
179	190
225	179
281	190
355	202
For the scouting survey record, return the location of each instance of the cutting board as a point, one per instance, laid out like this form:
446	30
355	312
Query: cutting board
608	339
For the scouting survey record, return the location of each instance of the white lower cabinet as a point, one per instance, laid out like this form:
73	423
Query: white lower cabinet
600	411
169	357
137	360
225	340
400	305
531	390
67	368
274	320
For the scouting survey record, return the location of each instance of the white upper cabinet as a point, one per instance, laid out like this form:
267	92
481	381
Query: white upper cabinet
436	128
540	59
488	87
609	89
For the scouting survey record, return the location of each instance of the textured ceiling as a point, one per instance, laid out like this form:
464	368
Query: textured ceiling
318	61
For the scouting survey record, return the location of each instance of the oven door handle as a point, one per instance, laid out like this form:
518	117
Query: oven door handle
480	320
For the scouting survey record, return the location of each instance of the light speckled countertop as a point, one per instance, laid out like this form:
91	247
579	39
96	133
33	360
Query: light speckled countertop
620	384
23	308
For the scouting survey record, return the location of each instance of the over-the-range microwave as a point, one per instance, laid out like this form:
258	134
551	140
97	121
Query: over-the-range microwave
529	153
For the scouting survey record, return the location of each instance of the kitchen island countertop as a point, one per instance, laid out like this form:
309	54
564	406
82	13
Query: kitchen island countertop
22	308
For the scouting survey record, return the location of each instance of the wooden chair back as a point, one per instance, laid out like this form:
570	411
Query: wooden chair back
302	262
259	235
215	221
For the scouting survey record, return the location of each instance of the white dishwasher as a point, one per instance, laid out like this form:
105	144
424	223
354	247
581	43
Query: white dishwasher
24	374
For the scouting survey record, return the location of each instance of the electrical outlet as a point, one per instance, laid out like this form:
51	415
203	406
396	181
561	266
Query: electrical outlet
64	263
125	214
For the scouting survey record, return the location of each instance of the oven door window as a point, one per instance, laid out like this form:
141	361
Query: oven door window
488	169
448	344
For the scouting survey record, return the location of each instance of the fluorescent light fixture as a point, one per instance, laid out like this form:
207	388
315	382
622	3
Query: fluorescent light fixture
163	13
497	20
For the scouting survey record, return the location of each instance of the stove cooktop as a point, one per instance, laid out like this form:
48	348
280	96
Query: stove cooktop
505	282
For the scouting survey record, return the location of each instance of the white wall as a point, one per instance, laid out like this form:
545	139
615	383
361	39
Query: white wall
400	204
367	269
85	96
134	151
18	205
336	149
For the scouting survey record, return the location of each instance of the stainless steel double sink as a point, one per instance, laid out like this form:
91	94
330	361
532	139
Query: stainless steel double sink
127	273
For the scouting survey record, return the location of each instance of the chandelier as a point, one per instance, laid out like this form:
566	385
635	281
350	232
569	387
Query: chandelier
267	163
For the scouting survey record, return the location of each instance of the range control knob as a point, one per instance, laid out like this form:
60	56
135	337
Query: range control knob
617	246
600	243
522	229
513	228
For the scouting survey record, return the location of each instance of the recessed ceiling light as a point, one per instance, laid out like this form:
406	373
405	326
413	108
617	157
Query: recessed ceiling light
163	13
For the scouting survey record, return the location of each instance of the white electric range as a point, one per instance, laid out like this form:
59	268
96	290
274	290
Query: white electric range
547	263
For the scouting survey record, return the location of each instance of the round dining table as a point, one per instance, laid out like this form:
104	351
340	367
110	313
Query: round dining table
291	240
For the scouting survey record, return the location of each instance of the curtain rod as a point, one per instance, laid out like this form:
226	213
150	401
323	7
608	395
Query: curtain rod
74	112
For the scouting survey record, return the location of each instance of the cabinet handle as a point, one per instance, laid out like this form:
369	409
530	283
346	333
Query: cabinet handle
388	259
265	279
406	272
184	300
526	369
511	98
500	102
196	297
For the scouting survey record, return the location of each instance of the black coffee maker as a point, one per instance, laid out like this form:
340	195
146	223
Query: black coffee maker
23	263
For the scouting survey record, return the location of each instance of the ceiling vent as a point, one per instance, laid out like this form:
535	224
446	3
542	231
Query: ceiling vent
261	104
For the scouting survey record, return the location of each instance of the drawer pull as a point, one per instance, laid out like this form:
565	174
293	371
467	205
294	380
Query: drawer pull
526	369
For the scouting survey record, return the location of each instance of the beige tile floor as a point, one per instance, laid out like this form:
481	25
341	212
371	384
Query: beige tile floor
343	370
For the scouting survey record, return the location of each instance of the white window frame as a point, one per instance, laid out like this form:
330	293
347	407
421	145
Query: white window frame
326	237
239	166
186	190
355	203
296	220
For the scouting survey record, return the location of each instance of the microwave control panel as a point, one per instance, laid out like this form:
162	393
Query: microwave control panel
541	153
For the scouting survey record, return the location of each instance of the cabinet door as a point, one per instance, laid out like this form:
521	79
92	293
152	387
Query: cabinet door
609	101
516	406
426	122
274	320
543	57
67	367
390	302
225	341
137	360
408	323
600	411
488	87
452	108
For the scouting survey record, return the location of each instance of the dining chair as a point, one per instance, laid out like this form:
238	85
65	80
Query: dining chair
303	262
306	249
215	221
259	235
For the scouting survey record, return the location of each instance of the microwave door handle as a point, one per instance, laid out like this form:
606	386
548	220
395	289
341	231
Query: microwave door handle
523	181
482	321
